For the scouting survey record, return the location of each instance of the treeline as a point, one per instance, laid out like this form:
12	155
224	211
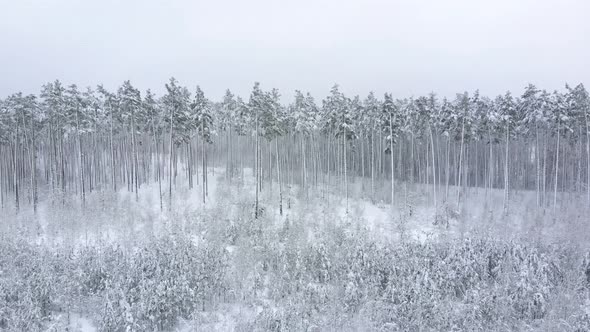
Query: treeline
74	142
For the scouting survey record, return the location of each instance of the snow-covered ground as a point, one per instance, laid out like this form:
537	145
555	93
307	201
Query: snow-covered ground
112	218
120	219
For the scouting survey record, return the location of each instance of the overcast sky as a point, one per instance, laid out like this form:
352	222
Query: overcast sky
404	47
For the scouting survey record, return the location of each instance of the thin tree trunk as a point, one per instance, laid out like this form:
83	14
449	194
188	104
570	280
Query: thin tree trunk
460	163
15	173
256	170
345	166
506	172
279	177
537	161
156	145
373	165
204	166
392	168
588	157
135	163
556	170
170	157
81	166
433	167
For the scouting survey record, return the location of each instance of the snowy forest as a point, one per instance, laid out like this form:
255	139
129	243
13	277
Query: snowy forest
123	210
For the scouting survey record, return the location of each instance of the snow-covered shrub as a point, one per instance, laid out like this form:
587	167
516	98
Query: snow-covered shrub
161	282
323	277
582	319
29	285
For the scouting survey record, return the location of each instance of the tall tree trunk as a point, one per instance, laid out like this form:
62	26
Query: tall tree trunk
345	166
204	166
506	172
556	169
63	168
588	157
433	167
135	163
279	177
2	185
304	166
373	164
538	164
256	163
156	145
412	170
460	163
170	159
33	166
545	139
81	158
113	177
362	142
15	172
447	170
391	158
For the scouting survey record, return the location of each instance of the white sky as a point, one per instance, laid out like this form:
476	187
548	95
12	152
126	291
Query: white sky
404	47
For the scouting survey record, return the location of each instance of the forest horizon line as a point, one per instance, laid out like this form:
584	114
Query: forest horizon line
534	141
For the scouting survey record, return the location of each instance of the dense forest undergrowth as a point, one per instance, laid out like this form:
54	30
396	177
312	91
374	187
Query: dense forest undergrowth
120	264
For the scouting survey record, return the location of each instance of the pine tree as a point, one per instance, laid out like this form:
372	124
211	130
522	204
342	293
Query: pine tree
372	109
130	102
203	122
176	103
54	100
152	122
560	120
338	124
4	141
273	124
530	107
76	123
390	123
257	104
463	117
578	107
303	116
226	123
508	120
